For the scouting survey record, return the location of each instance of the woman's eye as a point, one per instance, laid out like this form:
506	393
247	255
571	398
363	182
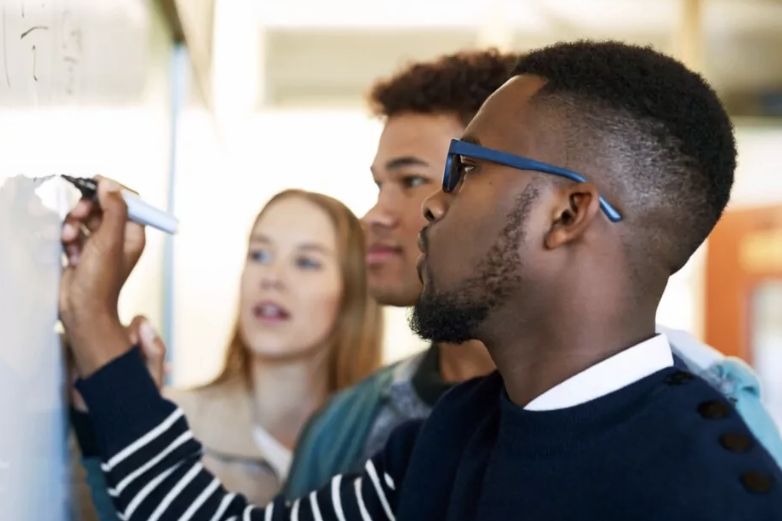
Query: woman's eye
465	169
261	256
307	263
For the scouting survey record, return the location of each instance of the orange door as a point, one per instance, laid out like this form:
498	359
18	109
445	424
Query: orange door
744	293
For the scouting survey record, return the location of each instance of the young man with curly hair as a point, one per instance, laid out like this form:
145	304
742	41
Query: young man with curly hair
423	107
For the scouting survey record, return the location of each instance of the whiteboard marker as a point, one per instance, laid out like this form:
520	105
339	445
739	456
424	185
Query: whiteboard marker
138	211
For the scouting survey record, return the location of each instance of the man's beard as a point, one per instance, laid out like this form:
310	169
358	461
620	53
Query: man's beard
456	315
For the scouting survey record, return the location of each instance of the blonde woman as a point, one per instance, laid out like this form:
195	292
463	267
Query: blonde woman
305	329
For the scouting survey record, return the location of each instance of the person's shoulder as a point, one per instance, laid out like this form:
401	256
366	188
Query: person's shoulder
333	438
344	407
734	379
476	387
479	395
696	355
367	390
188	399
359	401
208	400
708	447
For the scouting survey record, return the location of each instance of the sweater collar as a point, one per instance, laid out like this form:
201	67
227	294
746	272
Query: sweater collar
542	433
612	374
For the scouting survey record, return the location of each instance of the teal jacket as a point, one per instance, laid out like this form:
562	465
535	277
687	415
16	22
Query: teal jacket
333	441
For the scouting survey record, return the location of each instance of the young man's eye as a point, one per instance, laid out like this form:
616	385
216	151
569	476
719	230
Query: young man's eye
414	181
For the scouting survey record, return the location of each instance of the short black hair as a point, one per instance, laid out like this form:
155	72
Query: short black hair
668	139
456	84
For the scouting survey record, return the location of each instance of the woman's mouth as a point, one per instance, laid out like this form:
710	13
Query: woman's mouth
270	312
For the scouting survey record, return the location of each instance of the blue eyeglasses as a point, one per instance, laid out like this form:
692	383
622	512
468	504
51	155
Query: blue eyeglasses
458	148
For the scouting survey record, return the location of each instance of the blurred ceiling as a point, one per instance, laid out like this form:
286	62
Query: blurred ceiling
320	51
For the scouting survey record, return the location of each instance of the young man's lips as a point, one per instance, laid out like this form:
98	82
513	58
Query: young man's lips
379	254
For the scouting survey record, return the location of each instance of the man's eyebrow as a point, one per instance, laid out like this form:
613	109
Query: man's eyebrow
401	162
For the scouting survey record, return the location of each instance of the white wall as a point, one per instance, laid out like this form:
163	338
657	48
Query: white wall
759	175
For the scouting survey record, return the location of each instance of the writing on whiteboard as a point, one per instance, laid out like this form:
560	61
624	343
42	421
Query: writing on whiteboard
41	45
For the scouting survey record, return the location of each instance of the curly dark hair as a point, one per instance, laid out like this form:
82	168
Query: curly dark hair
668	139
456	83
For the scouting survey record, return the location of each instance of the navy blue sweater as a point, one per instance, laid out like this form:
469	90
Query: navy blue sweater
665	448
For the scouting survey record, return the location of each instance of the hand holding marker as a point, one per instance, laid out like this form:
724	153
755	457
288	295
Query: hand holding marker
138	211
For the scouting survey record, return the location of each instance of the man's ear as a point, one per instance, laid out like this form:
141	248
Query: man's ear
575	209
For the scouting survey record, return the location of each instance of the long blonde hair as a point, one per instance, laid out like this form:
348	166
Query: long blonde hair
356	339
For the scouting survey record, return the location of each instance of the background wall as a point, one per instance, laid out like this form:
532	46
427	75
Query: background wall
758	180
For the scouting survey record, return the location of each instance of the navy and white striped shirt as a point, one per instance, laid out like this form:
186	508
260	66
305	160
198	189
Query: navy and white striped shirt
153	468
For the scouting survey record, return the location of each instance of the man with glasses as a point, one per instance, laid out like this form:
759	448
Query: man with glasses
588	416
423	107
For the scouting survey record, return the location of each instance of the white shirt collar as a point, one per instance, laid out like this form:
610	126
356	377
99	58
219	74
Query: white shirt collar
278	456
691	350
612	374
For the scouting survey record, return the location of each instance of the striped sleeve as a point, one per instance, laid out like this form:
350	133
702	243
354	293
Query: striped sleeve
154	472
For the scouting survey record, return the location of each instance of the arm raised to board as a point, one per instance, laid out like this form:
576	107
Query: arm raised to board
150	458
90	486
153	463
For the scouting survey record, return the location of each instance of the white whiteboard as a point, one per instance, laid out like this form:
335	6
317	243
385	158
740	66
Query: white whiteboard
71	52
58	59
32	464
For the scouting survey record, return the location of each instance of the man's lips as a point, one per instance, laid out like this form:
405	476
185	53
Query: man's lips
419	267
380	253
422	246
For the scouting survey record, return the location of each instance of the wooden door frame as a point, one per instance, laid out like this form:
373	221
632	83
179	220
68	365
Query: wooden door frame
729	282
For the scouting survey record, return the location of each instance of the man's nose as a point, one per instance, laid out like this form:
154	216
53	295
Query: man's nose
435	206
382	215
